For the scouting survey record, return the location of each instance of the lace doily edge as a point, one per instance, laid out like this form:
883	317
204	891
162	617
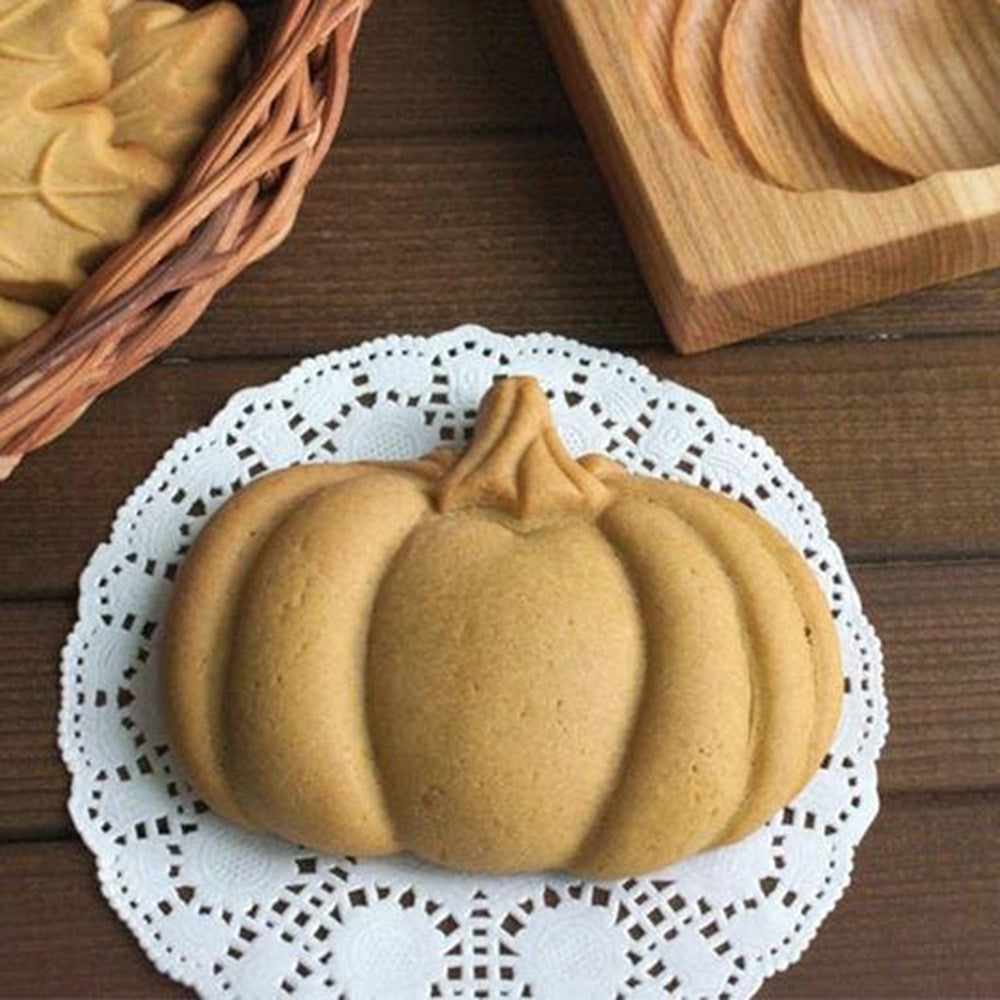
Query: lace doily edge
180	972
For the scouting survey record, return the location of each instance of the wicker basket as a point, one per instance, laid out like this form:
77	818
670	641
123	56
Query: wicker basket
237	201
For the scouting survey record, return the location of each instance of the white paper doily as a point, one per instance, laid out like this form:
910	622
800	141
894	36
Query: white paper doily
238	915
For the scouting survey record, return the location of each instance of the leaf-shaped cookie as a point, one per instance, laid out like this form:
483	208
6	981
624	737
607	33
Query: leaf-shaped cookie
171	70
52	52
17	320
67	196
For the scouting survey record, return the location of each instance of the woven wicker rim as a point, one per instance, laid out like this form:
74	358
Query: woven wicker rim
237	202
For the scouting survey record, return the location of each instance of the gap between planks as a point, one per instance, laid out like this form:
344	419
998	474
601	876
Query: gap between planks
945	798
988	560
937	623
894	440
918	920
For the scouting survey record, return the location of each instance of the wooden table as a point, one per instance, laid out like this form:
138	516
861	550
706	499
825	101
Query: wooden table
462	190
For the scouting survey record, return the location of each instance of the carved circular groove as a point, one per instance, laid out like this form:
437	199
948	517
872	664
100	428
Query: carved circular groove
732	81
767	92
915	83
656	30
694	69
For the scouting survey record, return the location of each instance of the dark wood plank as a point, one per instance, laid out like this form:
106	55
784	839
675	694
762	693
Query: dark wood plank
968	305
437	67
897	440
940	629
421	235
473	69
920	917
487	216
60	504
34	785
919	920
516	232
59	938
938	623
462	190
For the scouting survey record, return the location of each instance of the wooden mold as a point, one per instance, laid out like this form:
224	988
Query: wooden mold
778	160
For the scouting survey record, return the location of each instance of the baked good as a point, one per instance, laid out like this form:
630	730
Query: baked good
172	71
101	101
68	197
17	320
504	661
53	52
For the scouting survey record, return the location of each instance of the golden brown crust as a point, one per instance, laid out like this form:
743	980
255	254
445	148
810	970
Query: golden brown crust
172	72
821	632
686	766
780	612
17	320
506	661
517	462
296	735
53	54
504	673
200	624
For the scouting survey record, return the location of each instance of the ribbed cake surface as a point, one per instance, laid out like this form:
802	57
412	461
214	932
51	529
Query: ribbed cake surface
502	660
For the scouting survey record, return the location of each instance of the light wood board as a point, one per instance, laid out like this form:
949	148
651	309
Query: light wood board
726	255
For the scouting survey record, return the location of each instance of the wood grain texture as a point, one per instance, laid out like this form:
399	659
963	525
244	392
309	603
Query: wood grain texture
448	67
34	785
938	857
459	125
767	93
696	77
968	305
659	19
941	635
516	232
915	83
874	430
464	191
460	93
725	256
938	626
898	440
420	235
58	936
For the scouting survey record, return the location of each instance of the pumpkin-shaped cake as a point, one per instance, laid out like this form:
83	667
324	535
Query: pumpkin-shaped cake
505	660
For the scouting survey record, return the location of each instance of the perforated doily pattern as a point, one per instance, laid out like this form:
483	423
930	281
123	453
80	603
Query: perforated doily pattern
238	915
